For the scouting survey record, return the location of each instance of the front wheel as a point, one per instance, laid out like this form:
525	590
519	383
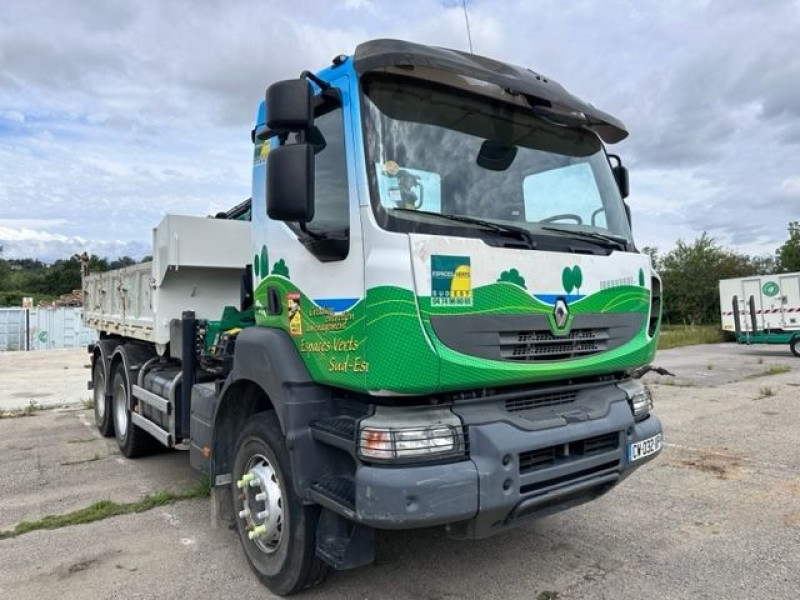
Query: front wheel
795	346
277	531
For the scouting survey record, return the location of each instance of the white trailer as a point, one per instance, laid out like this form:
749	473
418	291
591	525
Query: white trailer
197	265
762	309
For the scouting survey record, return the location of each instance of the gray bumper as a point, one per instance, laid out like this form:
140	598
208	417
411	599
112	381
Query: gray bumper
513	474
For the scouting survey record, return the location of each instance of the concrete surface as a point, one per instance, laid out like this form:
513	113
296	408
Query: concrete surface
44	377
717	515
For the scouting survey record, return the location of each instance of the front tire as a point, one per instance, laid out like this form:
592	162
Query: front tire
795	346
277	531
102	403
132	440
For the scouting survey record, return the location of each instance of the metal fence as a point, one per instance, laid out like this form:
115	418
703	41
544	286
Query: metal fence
47	329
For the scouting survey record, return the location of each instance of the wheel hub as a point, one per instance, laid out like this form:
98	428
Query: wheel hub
262	504
121	410
100	397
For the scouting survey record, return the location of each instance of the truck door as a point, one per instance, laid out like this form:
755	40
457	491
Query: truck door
310	279
752	287
790	300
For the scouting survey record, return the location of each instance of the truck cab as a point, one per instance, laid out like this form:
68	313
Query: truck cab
446	307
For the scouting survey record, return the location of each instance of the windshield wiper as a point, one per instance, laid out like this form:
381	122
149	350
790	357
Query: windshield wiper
607	240
501	228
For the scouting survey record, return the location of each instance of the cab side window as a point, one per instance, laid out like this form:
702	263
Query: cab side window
331	199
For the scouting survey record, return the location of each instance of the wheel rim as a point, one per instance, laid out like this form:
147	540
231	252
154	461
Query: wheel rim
100	396
121	409
262	504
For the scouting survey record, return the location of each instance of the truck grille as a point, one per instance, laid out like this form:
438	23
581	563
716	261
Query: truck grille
540	401
543	345
529	339
533	460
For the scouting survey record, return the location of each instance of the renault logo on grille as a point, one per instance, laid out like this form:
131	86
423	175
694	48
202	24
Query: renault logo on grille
561	313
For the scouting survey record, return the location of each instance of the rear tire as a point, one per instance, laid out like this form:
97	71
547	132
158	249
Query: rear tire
102	403
794	345
284	556
132	440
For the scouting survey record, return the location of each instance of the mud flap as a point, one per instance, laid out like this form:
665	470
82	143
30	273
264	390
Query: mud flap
344	544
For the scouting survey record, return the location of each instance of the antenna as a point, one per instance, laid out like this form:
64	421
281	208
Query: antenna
466	18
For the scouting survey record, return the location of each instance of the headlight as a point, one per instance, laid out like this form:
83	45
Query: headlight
639	397
395	434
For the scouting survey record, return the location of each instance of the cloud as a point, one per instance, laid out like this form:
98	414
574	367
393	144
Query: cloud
112	113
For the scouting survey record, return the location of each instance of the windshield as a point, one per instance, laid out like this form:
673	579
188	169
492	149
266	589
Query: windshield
431	149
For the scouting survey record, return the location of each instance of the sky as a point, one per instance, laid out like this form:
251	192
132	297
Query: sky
115	112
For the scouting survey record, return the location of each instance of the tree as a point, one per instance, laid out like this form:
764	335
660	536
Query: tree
121	263
691	272
788	255
512	276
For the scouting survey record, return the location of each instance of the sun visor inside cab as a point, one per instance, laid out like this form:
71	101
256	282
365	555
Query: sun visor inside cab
378	54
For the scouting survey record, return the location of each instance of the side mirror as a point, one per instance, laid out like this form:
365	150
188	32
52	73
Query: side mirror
290	105
290	183
621	176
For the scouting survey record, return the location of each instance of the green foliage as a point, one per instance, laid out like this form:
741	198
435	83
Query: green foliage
512	276
691	273
264	270
30	277
280	268
788	255
572	279
675	336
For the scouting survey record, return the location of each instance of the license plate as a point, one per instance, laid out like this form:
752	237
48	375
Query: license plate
644	448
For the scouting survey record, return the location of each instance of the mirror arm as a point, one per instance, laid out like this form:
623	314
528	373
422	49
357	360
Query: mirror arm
309	233
323	85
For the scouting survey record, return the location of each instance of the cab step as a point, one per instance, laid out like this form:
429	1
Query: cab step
339	432
335	493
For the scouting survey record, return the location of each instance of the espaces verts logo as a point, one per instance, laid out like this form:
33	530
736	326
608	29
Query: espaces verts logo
451	281
770	288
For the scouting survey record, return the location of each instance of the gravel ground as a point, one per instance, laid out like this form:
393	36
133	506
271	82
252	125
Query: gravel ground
717	515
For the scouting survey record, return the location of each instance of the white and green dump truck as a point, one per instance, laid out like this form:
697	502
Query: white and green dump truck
431	313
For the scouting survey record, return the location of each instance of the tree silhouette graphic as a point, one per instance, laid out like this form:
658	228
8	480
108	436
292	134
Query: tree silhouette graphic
577	278
566	280
641	277
512	276
572	279
256	269
280	268
264	262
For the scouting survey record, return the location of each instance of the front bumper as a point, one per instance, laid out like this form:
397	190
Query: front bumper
518	469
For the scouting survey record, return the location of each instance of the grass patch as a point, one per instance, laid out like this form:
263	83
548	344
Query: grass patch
766	392
547	595
771	370
106	508
675	336
88	403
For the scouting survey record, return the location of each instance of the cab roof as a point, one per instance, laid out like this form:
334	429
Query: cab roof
382	53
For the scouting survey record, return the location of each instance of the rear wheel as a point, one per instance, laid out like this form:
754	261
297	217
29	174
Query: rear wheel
132	440
102	403
277	531
795	346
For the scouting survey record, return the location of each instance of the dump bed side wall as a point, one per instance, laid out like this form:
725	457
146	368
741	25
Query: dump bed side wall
198	266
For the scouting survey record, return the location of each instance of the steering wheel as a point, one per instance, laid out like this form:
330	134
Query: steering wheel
570	216
597	212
